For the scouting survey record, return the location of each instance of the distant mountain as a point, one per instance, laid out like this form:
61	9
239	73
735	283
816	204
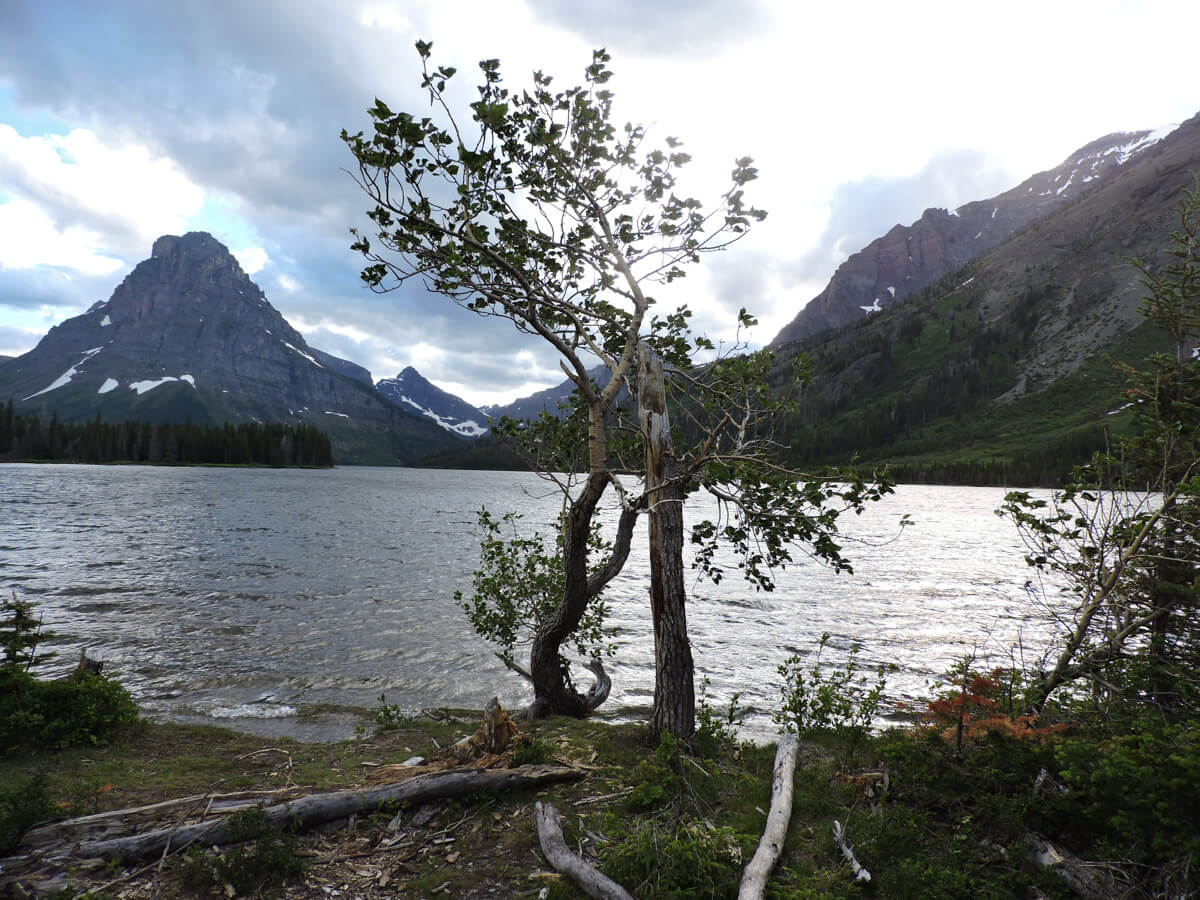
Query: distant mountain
1003	370
548	400
188	335
343	366
911	257
410	390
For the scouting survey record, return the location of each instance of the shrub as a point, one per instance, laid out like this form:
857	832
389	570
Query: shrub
531	751
20	807
818	698
389	716
263	861
1138	794
50	715
716	731
677	860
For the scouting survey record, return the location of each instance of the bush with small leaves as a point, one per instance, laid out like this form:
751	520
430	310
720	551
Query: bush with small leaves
21	806
262	862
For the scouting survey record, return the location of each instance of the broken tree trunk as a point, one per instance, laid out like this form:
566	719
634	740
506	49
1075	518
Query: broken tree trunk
307	812
674	690
591	880
1086	880
754	879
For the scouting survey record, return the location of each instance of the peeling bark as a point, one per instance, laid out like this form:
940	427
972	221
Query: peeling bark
674	688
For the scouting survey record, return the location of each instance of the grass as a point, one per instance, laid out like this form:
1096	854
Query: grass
950	825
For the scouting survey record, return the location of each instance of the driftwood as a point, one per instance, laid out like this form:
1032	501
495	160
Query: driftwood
839	835
754	879
1084	879
591	880
123	821
306	812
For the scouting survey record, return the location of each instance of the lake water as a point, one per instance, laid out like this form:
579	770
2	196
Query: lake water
260	598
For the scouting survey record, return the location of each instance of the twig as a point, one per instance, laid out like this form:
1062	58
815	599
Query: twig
839	835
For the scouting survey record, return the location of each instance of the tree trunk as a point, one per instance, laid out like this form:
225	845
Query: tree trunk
554	694
674	689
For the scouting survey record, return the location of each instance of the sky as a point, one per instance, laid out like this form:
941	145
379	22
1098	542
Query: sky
126	120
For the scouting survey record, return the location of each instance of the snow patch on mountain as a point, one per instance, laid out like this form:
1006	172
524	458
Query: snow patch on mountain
65	377
413	391
143	386
468	428
302	353
110	384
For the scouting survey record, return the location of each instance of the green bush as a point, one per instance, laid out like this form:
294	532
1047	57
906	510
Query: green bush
656	779
262	862
716	731
531	751
50	715
821	698
1137	795
21	806
678	859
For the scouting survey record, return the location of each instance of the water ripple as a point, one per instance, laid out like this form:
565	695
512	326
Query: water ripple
206	589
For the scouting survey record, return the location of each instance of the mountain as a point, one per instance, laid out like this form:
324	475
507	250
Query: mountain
411	390
548	400
910	258
1003	370
188	335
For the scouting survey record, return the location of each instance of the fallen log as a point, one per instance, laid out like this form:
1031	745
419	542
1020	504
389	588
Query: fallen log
1089	881
307	812
754	879
122	821
591	880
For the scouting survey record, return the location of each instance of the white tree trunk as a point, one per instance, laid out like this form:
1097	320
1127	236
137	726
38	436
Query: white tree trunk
754	879
591	880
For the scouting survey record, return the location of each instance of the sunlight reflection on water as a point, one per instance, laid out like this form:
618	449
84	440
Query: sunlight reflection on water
258	596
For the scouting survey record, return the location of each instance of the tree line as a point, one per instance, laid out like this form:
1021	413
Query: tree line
27	437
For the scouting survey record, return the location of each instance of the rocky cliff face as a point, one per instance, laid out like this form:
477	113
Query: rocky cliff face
187	334
911	257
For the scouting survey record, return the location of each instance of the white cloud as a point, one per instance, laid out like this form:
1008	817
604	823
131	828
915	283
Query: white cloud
29	237
291	285
251	259
85	187
387	18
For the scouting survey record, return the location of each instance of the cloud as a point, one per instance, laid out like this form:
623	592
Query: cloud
251	259
79	193
862	210
16	341
664	28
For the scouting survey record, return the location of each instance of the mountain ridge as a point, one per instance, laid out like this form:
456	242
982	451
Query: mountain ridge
188	335
908	258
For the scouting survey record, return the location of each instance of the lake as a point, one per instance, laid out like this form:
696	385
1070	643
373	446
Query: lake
270	599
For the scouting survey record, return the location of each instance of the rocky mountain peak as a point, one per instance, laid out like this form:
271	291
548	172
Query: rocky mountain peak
194	243
412	391
911	257
187	334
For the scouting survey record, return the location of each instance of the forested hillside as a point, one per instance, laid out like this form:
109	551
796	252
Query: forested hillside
29	438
